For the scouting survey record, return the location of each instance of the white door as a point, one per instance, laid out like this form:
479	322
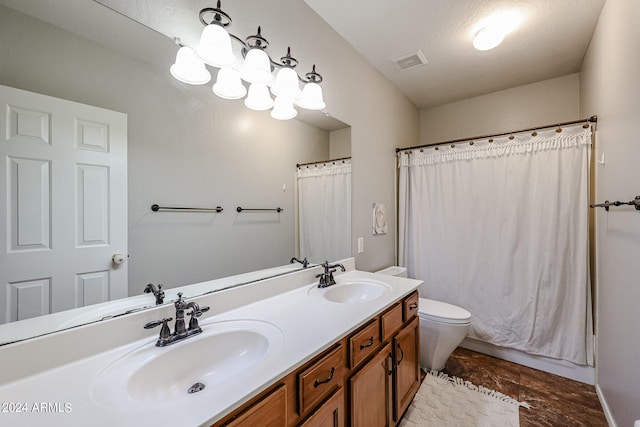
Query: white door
63	204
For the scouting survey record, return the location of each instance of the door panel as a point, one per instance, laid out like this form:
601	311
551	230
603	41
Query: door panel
63	204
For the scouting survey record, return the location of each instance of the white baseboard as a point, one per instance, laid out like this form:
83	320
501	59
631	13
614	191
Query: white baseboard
563	368
605	407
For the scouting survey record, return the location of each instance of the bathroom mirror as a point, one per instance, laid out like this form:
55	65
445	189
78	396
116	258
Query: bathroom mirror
186	147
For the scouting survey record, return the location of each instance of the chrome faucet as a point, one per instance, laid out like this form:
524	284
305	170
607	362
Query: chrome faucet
326	278
304	262
157	292
180	331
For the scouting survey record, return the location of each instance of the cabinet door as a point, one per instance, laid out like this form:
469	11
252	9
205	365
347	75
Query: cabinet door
330	414
269	412
406	353
370	393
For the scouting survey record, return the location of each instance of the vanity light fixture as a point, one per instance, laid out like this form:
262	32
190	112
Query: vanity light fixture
255	68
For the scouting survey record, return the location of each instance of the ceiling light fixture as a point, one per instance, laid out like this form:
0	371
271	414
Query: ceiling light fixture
255	68
494	28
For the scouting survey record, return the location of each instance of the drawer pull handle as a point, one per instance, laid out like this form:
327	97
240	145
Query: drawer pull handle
401	354
390	360
413	306
319	382
369	344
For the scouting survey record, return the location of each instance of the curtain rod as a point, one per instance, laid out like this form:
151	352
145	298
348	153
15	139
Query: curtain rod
592	119
322	161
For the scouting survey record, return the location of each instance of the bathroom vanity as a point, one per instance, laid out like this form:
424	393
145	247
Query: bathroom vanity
279	351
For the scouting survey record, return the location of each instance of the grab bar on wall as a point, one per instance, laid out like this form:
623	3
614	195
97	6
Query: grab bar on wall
239	209
607	204
157	208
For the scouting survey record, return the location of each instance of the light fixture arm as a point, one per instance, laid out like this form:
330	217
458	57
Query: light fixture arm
215	15
312	77
219	16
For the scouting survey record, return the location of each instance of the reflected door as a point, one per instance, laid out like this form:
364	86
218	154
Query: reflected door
63	205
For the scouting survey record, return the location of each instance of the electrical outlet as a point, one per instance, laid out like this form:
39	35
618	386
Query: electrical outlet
360	245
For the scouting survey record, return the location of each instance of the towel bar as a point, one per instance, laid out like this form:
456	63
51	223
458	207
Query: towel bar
157	208
607	204
239	209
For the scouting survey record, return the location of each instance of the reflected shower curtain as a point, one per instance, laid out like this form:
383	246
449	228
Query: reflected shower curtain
501	229
324	211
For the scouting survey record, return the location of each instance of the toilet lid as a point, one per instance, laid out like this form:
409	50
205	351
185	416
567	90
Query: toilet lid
439	311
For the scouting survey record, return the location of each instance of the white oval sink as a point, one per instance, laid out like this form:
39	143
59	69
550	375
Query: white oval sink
225	351
353	291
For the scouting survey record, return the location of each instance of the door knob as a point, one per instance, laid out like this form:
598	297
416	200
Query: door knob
118	259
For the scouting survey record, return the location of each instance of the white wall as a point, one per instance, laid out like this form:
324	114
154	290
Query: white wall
536	104
340	143
610	88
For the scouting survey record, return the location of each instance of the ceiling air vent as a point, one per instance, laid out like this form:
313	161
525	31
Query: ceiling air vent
411	61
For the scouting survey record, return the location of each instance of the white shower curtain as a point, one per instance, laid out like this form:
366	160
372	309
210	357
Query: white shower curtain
501	229
324	211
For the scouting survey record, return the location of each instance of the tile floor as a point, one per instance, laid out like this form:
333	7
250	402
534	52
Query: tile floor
555	401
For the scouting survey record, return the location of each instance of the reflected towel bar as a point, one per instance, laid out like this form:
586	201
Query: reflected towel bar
157	208
239	209
607	204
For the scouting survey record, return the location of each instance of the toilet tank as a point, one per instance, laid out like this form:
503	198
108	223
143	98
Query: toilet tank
394	270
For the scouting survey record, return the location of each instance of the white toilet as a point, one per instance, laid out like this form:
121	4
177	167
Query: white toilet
442	327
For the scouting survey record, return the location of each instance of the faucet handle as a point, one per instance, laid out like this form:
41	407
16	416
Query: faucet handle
155	323
165	331
198	313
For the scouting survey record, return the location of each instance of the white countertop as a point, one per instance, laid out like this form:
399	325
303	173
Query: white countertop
308	324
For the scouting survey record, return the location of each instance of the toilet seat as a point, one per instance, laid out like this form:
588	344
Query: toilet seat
439	311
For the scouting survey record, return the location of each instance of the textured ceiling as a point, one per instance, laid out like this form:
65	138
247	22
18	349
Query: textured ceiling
550	42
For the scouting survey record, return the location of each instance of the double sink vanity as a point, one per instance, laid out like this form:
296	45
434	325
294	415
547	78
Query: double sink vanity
279	351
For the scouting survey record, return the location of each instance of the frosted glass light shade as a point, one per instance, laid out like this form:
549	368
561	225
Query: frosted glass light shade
215	46
286	84
228	84
256	67
311	98
258	97
488	38
189	68
283	109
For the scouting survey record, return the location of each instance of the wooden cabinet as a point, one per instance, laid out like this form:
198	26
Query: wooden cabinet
406	354
270	411
410	307
330	414
390	322
320	379
364	343
367	379
370	392
380	392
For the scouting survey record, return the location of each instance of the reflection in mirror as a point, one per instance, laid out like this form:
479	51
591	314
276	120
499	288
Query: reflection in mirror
185	147
324	209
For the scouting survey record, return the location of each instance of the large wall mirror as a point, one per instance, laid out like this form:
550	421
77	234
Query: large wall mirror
185	148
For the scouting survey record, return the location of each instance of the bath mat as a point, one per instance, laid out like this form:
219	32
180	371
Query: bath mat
444	401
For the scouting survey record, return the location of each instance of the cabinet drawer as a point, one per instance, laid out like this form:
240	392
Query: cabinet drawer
364	342
390	322
320	379
270	411
410	307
